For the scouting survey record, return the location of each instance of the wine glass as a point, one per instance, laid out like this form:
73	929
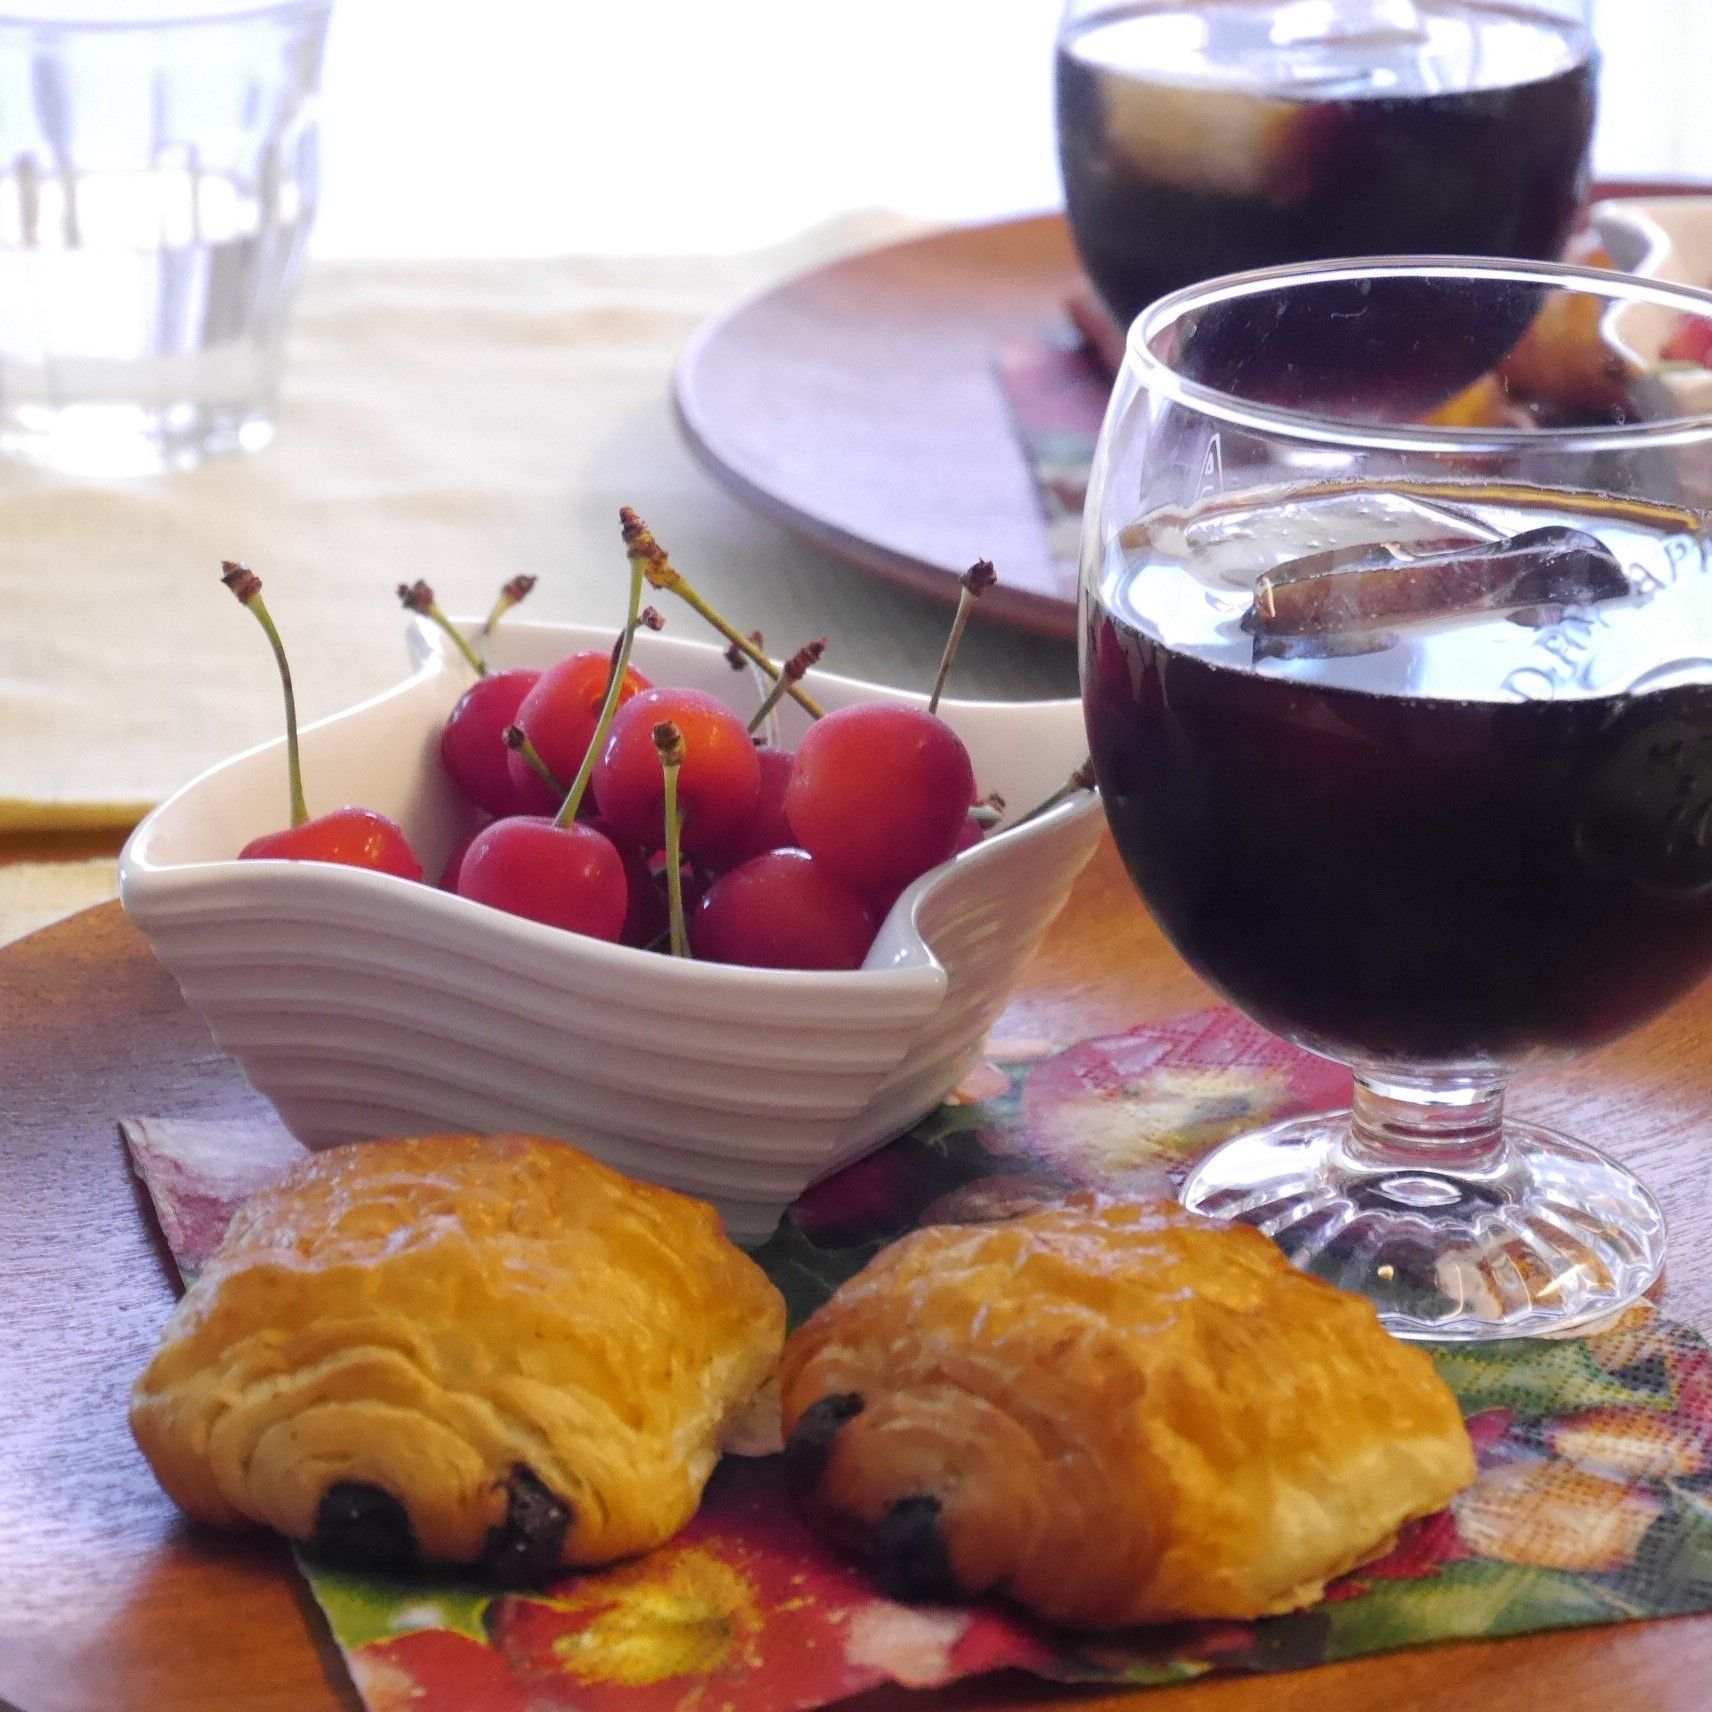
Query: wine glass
1197	139
1398	681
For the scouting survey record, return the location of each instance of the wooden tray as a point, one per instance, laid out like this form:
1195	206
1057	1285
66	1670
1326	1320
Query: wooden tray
857	405
108	1603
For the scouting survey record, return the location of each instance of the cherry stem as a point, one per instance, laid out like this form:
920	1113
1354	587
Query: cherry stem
974	582
795	668
516	590
647	619
738	661
247	586
1080	780
669	740
515	737
417	597
663	574
614	691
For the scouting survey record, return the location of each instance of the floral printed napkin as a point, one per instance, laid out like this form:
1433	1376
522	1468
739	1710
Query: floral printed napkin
1056	391
1594	1502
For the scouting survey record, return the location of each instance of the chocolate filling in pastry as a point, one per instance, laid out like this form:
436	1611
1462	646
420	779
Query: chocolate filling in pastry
909	1555
810	1443
361	1524
525	1547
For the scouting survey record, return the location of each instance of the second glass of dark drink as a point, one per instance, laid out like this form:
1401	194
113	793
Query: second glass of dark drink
1202	137
1405	735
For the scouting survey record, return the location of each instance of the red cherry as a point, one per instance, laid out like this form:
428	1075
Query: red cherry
560	714
782	910
351	837
448	881
971	834
565	876
646	917
766	829
879	793
649	918
644	901
471	748
645	893
717	787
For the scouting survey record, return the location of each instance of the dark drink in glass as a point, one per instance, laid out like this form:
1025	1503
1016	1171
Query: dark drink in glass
1459	837
1199	140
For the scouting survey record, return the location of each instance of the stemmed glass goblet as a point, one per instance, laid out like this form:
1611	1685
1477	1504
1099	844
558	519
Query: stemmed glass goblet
1404	729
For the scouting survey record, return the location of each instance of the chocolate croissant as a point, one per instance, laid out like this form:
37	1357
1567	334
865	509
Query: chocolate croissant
465	1349
1112	1412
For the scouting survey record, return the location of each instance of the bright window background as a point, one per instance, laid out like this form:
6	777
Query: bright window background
538	127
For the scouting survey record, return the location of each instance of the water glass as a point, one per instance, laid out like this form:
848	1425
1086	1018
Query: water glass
157	188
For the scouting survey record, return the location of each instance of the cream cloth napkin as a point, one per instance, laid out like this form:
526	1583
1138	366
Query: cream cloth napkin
33	894
459	421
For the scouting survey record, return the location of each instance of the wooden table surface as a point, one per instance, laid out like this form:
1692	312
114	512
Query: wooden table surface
109	1603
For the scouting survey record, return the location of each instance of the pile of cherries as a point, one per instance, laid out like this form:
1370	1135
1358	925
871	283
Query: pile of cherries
654	816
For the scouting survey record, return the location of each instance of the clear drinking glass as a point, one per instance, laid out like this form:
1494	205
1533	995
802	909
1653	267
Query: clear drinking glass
1404	730
157	187
1200	137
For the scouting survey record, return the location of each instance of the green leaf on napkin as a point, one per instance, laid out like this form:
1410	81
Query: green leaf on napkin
807	1275
1673	1567
1470	1598
1152	1675
1536	1378
365	1606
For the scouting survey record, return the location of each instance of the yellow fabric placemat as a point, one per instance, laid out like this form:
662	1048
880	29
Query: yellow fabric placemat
33	894
459	421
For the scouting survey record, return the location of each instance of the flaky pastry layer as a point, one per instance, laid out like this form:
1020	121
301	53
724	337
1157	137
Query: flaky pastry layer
468	1349
1113	1412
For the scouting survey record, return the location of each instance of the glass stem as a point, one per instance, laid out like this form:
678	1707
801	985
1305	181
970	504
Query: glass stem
1453	1123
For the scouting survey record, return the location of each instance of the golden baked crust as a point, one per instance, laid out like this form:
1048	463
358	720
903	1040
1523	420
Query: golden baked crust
1112	1412
472	1349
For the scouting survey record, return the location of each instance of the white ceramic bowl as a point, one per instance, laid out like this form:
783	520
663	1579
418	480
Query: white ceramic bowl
363	1005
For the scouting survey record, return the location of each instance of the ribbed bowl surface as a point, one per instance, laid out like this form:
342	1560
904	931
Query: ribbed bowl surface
362	1005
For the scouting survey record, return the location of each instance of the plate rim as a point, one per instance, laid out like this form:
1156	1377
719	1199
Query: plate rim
1029	610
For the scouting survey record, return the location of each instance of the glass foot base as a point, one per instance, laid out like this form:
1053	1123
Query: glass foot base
1551	1236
